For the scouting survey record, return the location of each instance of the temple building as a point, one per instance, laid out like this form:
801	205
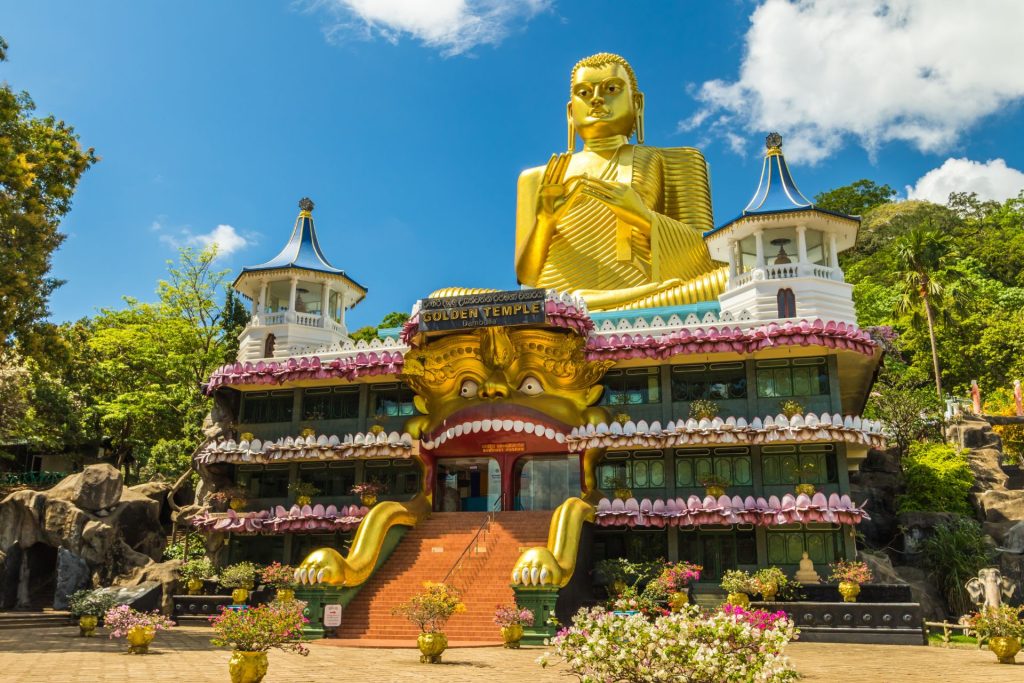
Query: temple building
705	405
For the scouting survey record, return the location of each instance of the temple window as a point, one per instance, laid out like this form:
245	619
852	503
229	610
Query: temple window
267	406
635	386
333	479
264	481
401	478
634	470
544	483
325	403
797	377
787	545
268	346
392	400
787	303
785	465
710	381
694	465
718	551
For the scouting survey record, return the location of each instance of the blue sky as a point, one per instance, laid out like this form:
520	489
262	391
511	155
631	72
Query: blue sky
408	121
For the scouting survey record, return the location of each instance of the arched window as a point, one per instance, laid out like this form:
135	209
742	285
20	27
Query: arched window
787	303
268	347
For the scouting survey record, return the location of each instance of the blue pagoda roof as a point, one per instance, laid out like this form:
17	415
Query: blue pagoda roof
303	249
777	191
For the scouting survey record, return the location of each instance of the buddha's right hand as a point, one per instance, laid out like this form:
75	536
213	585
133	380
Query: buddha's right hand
554	199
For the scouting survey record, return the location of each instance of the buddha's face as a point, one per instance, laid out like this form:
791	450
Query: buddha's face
602	102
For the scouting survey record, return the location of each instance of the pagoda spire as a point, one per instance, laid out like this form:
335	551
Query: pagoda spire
776	191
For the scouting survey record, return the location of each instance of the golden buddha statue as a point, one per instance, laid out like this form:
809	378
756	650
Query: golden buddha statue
619	224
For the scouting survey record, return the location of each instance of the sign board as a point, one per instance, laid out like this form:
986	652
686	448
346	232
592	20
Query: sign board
332	616
489	309
515	447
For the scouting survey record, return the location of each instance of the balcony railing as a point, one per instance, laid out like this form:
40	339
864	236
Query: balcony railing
785	271
304	319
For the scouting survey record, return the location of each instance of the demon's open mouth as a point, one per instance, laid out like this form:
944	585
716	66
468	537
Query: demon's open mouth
498	423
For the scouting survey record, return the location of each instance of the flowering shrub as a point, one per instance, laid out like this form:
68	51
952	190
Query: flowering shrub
278	575
90	603
241	575
261	628
433	607
732	645
854	572
369	488
303	488
674	578
630	573
197	569
702	408
790	408
632	600
507	615
1004	622
738	581
123	618
758	618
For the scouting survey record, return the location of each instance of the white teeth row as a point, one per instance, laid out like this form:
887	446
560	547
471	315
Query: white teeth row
508	426
307	576
531	576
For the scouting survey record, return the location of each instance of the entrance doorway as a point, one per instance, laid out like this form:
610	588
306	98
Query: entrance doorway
467	485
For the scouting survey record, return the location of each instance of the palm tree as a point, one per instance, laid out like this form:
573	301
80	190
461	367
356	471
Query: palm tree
929	280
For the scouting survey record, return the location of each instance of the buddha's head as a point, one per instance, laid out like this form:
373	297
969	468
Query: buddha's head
604	99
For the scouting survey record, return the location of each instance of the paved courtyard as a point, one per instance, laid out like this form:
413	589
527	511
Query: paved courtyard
185	655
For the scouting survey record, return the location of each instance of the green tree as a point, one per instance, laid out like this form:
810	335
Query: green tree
938	479
855	199
369	333
929	280
41	162
394	319
910	413
235	318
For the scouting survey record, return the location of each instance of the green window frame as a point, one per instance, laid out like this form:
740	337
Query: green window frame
261	407
392	400
631	387
709	381
325	403
400	477
786	545
333	479
787	378
264	481
732	463
790	465
639	469
718	550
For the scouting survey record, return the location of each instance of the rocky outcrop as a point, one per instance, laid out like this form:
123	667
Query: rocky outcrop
877	484
922	588
93	518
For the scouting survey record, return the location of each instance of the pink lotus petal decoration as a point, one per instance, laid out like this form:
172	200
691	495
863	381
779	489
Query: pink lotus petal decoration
773	512
278	520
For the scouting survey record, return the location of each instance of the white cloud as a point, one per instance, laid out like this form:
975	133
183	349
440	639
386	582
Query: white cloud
453	26
227	239
919	71
992	180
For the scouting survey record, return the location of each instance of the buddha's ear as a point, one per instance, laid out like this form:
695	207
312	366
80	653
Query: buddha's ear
571	147
638	107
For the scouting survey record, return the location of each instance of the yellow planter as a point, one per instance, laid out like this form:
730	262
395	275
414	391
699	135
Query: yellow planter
247	667
369	499
678	600
1005	648
714	491
806	489
303	500
237	504
139	638
623	494
431	646
768	593
285	595
194	586
849	590
738	599
511	635
87	625
239	596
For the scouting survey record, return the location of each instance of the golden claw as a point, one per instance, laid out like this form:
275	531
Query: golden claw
554	565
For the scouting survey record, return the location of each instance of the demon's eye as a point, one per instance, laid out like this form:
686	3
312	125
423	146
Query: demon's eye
469	389
531	386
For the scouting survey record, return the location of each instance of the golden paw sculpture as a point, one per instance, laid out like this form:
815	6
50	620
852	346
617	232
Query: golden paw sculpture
326	566
554	565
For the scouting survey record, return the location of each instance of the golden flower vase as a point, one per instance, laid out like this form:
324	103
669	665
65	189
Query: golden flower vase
139	638
1005	648
714	491
247	667
738	600
303	500
849	590
285	595
431	646
678	600
239	596
806	489
368	499
87	625
194	586
511	635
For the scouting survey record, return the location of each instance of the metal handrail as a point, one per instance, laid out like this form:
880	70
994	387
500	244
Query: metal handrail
486	523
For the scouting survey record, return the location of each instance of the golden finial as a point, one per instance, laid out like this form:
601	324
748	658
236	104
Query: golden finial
306	207
774	144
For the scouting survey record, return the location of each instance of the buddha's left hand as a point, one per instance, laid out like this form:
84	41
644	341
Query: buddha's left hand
625	202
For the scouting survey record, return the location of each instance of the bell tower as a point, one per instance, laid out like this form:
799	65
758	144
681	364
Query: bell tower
298	298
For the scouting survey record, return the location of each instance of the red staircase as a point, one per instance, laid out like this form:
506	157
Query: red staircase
427	553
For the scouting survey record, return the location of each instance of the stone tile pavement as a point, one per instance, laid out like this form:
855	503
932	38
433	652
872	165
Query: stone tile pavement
58	655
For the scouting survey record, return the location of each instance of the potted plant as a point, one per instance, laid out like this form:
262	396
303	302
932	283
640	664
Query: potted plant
282	578
307	432
238	499
621	486
430	610
791	408
714	485
703	409
194	572
219	500
139	628
849	575
622	418
740	585
368	491
250	633
89	605
806	471
1002	628
673	583
303	492
768	581
241	577
511	619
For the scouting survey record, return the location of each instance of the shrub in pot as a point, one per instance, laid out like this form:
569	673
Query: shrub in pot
250	633
88	605
430	610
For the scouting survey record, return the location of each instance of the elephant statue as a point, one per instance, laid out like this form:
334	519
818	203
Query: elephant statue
989	588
